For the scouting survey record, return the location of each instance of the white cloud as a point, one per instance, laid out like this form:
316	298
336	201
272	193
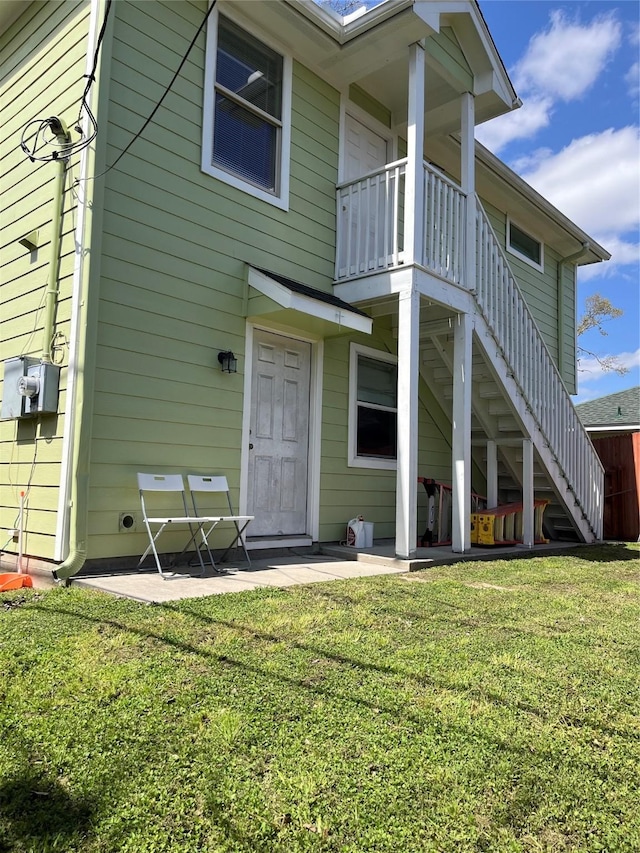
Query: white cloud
521	124
623	253
560	64
595	181
632	79
530	161
566	60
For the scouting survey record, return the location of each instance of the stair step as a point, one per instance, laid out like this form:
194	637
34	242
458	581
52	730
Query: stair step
499	406
508	424
441	374
488	390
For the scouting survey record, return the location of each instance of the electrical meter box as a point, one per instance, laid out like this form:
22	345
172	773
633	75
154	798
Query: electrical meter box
30	388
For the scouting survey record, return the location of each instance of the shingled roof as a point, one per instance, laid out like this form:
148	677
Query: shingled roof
615	411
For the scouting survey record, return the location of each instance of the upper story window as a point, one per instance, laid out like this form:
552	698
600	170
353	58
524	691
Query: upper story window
526	247
373	408
246	128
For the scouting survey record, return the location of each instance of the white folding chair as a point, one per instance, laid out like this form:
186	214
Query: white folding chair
171	484
211	486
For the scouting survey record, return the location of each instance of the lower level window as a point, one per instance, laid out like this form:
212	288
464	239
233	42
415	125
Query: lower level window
373	415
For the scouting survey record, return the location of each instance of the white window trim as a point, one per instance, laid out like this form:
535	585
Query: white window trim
519	255
281	198
355	461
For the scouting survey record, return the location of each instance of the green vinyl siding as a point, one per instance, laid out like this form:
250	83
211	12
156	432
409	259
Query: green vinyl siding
43	58
370	105
443	48
176	244
346	492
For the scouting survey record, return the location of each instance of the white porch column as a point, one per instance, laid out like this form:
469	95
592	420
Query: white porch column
461	441
414	178
468	181
492	474
407	474
527	494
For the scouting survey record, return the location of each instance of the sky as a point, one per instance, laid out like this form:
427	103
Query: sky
575	65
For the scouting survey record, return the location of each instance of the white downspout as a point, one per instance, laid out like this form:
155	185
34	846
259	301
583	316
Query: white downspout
74	558
562	263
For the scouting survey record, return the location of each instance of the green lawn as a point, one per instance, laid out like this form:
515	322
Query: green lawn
475	707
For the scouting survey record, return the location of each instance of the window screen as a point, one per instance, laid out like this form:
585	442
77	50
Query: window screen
524	244
248	107
377	410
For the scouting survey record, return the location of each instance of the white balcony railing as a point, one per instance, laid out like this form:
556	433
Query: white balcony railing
445	210
370	224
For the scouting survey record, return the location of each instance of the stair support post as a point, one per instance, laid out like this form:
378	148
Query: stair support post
528	536
461	437
492	474
407	438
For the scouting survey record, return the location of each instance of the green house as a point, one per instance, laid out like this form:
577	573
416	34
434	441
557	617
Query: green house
307	196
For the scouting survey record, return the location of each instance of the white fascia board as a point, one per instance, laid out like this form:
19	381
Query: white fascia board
613	428
444	293
494	164
502	82
287	298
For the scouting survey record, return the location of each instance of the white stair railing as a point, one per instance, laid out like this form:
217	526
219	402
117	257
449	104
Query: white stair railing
526	354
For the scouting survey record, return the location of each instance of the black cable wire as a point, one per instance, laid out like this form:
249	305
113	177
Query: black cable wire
164	95
66	149
92	75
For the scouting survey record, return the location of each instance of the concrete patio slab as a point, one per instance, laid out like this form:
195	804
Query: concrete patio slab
279	572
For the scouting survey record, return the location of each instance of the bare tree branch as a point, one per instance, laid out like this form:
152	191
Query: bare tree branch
599	310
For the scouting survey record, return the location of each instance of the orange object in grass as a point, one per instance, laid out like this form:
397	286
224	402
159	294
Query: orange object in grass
14	580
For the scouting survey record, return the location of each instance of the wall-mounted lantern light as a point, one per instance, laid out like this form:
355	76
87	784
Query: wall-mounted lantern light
228	362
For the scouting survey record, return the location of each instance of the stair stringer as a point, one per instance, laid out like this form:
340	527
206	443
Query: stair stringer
530	428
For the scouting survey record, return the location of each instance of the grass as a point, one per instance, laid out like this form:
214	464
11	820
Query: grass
474	707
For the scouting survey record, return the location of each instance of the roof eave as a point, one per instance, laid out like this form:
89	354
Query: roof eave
10	11
596	252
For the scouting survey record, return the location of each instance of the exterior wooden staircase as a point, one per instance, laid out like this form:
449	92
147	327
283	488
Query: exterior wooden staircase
517	392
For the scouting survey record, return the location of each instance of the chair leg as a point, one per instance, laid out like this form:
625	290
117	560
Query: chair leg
152	547
238	542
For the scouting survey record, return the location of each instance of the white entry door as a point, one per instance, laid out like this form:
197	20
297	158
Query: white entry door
365	151
279	439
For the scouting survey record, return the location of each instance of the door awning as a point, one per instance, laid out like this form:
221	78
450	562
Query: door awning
324	312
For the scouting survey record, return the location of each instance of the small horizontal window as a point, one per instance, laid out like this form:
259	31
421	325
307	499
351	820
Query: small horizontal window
525	246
